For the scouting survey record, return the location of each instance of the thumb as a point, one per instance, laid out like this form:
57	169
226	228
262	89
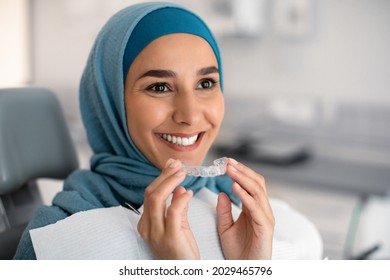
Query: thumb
224	213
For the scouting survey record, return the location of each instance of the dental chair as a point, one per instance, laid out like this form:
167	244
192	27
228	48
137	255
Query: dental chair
34	143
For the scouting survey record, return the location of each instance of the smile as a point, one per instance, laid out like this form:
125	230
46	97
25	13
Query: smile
180	141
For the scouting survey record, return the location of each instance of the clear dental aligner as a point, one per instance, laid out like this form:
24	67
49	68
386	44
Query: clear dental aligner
219	168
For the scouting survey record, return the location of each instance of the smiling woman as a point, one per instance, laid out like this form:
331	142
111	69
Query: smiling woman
151	99
184	95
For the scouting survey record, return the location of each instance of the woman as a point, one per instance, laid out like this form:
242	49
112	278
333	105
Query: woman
151	99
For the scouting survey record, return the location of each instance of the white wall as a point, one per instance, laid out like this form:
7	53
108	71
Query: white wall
64	31
344	57
14	43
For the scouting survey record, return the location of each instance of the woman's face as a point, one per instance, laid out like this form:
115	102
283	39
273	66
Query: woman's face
173	99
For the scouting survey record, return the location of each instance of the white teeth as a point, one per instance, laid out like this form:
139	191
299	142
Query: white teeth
182	141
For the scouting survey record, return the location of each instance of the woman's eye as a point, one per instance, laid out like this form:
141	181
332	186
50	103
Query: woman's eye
205	84
158	88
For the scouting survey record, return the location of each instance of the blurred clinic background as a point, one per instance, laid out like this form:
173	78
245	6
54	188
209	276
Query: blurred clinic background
307	93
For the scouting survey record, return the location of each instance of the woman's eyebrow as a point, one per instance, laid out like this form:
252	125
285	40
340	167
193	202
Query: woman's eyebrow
159	74
208	70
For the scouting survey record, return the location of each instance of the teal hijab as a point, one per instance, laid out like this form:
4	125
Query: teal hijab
119	172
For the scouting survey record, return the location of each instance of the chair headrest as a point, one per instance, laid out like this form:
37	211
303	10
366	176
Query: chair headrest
34	138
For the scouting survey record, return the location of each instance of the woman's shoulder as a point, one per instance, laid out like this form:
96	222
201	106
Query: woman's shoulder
44	215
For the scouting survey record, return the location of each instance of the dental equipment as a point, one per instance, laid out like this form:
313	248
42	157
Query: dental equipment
219	168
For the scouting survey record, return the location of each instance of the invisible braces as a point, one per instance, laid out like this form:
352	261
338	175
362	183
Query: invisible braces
219	168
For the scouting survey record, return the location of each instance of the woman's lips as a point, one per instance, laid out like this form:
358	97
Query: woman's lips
181	142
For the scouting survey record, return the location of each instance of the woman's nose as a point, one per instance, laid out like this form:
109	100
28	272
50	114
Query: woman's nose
187	109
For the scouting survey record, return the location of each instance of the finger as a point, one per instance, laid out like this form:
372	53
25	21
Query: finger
164	184
171	167
233	164
177	213
259	205
259	212
224	213
179	191
155	202
157	194
143	227
251	181
165	188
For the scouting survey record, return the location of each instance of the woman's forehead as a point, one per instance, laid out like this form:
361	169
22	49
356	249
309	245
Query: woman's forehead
177	47
161	22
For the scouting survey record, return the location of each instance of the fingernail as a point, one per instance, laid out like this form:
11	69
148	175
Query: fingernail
233	161
172	163
169	161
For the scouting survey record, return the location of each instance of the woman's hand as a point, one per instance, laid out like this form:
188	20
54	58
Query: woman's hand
250	237
166	229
